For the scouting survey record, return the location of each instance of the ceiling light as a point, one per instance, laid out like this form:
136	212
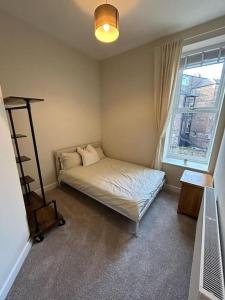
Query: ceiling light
106	23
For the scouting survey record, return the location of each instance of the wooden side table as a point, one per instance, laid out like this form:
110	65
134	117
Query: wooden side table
192	187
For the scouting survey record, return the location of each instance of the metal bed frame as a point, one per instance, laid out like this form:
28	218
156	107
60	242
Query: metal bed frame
144	209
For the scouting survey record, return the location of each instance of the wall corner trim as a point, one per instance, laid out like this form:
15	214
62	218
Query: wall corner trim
15	270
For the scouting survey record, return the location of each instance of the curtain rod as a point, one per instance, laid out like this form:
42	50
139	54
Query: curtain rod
204	33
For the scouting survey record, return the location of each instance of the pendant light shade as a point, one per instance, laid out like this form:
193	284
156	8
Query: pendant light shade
106	23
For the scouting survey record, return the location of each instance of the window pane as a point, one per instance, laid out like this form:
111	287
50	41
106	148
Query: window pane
199	86
194	59
191	134
206	57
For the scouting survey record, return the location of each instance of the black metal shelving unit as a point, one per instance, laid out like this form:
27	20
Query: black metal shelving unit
41	214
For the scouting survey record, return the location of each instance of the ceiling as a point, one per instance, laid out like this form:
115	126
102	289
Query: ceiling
141	21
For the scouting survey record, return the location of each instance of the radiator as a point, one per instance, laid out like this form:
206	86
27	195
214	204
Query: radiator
207	280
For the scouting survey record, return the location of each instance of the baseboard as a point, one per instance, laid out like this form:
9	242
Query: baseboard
15	270
172	188
48	187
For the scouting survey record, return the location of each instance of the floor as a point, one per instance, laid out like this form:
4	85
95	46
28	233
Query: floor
94	256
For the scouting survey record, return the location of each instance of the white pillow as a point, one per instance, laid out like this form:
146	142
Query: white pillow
100	152
89	155
70	160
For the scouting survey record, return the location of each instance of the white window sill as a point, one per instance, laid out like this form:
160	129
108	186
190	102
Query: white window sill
189	164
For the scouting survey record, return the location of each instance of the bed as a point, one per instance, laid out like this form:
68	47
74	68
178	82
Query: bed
125	187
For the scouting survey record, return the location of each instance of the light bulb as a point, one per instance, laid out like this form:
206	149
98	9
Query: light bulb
106	27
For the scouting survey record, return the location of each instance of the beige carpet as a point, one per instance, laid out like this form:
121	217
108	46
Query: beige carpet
95	257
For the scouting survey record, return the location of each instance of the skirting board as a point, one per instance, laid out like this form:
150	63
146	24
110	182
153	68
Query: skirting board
15	270
172	188
48	187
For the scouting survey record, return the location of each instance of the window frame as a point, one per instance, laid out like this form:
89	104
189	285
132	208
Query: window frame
175	109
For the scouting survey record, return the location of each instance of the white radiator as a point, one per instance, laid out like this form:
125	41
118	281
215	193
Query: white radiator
207	281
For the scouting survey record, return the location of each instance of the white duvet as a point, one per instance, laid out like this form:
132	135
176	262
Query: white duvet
123	186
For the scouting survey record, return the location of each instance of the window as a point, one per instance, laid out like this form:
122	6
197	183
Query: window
196	107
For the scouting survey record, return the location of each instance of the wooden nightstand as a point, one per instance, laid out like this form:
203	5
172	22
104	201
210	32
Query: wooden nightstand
192	187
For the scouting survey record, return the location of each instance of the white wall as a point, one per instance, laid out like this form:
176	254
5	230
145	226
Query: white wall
219	183
36	65
13	224
127	101
127	106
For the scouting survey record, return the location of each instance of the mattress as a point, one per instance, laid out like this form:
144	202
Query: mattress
123	186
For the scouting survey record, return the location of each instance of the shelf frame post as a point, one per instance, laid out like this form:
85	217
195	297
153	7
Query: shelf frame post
35	151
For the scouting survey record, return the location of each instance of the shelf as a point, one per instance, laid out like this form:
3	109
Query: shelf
23	159
35	201
12	100
42	215
45	216
27	178
18	136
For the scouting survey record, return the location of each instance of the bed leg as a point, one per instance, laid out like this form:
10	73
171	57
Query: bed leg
136	231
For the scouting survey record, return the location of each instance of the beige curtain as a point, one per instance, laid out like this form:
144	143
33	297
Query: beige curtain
166	64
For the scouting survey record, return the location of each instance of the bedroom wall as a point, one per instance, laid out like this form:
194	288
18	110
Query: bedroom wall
127	114
127	101
13	225
36	65
219	179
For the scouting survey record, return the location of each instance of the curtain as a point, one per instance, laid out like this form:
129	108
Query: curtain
166	64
